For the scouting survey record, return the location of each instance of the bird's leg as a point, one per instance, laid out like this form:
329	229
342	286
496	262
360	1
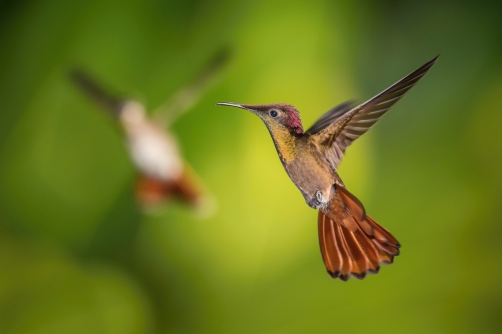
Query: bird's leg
317	201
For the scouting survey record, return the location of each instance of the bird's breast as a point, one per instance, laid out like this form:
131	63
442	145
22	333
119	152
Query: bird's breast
155	154
311	174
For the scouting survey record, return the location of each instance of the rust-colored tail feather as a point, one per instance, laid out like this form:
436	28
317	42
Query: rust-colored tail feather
150	191
352	243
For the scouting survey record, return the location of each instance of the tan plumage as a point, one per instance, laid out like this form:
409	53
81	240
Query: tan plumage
345	231
352	243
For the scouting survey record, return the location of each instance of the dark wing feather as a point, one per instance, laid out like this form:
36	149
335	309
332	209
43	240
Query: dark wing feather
330	116
351	125
95	91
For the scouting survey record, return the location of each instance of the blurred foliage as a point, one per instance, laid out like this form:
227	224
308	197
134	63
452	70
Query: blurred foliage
77	254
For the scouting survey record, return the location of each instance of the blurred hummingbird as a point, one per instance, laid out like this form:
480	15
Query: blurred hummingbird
162	171
351	242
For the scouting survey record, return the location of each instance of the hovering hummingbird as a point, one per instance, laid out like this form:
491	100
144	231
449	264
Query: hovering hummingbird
351	242
162	172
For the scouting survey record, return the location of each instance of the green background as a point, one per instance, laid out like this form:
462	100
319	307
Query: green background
77	255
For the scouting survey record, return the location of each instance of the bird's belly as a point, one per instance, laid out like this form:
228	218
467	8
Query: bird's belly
311	177
155	157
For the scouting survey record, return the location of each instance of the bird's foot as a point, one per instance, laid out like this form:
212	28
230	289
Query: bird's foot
318	201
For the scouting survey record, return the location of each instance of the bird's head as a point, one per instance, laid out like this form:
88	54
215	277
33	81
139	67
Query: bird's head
131	114
274	115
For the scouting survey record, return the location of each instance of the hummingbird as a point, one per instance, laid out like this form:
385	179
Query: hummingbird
351	242
154	150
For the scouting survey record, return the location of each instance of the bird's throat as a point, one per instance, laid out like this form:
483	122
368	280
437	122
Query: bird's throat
284	141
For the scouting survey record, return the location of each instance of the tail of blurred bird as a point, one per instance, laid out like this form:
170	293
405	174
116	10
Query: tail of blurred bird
150	191
187	188
352	243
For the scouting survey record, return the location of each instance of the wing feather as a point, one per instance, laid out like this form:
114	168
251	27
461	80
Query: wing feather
95	91
330	116
350	125
187	96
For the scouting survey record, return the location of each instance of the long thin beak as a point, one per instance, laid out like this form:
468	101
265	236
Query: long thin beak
231	104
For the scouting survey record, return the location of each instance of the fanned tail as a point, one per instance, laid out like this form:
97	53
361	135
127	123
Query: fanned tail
352	243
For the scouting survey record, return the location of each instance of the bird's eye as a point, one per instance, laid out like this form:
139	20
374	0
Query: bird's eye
274	113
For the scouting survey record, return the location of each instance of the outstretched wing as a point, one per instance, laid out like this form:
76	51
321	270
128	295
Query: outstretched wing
96	92
188	95
330	116
336	137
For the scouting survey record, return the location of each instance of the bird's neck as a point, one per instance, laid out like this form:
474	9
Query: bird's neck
285	142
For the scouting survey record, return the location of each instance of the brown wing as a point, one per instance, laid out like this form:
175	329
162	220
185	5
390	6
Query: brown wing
330	116
340	134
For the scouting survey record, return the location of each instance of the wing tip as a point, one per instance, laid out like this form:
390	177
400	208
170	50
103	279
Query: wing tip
424	68
433	60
